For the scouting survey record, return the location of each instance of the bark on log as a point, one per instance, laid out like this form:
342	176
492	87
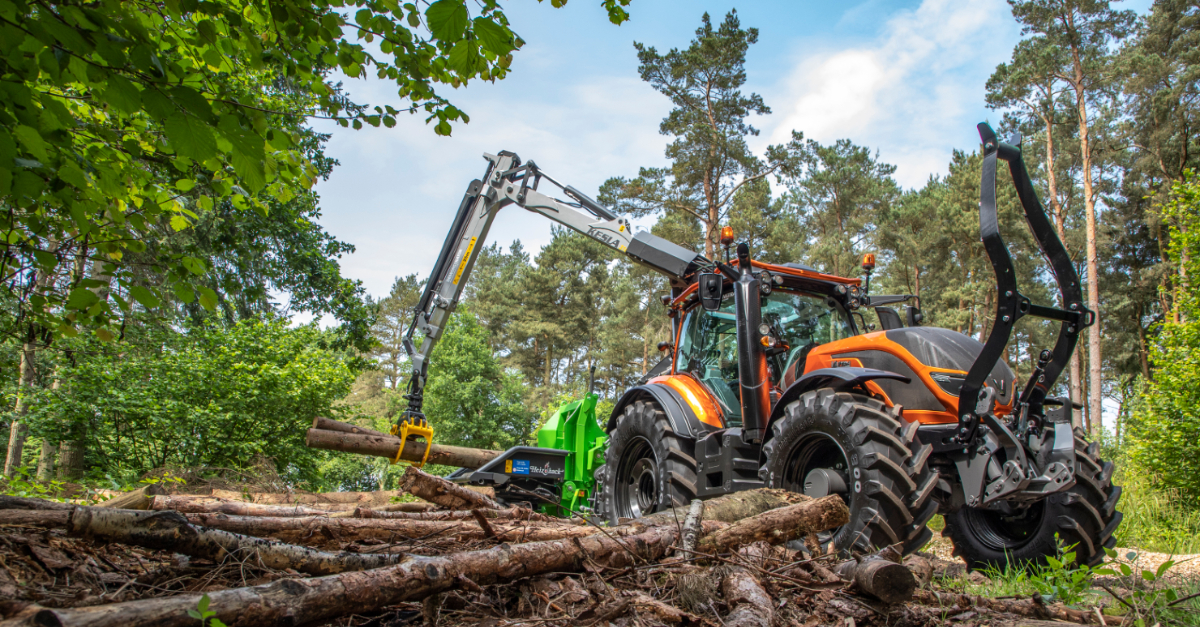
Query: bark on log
780	525
731	508
328	424
1032	607
136	499
34	517
511	513
298	601
211	505
445	493
750	605
171	531
691	529
921	568
346	501
20	502
323	530
386	446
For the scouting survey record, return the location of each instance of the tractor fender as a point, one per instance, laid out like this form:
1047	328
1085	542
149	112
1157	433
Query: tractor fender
683	419
833	378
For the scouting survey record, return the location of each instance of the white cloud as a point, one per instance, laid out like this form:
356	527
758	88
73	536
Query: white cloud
914	91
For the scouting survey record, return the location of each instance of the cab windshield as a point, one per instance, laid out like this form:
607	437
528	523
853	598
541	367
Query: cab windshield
708	342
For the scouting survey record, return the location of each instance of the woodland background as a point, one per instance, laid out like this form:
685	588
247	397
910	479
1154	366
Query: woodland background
155	205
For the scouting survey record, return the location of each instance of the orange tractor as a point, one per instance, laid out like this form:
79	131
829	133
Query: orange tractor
774	378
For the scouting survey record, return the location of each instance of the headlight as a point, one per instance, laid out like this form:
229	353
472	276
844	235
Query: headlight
950	383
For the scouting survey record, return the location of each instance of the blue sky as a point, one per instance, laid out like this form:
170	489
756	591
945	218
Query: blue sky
903	77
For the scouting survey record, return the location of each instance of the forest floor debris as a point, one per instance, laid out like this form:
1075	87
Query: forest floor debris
499	568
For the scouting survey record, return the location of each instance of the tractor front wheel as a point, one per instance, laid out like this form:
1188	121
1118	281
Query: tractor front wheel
1083	517
854	446
648	467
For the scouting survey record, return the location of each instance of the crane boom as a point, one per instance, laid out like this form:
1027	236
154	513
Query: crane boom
509	182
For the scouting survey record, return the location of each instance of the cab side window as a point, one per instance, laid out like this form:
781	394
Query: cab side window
708	350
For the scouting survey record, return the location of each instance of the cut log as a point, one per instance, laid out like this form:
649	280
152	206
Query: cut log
34	517
732	507
20	502
387	445
445	493
135	499
781	525
321	530
171	531
750	605
346	501
880	578
512	513
210	505
301	601
328	424
691	529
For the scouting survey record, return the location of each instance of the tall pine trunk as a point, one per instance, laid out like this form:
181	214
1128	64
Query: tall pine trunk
1095	398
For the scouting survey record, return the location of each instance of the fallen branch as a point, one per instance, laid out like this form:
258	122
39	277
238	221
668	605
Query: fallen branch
445	493
20	502
171	531
387	445
325	500
780	525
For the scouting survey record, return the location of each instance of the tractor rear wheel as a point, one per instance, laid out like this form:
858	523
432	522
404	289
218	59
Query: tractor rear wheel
1083	516
828	442
648	467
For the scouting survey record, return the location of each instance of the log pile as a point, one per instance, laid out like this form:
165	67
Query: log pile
465	560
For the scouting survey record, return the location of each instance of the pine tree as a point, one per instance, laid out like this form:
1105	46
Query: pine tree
710	159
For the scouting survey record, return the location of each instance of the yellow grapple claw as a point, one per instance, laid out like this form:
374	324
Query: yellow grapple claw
406	430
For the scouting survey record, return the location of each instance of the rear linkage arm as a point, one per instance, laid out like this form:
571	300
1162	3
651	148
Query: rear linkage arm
976	402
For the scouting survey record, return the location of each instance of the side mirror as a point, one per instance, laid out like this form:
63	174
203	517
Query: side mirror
914	316
667	347
708	285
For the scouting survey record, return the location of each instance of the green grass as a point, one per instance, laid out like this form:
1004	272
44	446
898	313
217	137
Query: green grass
1156	519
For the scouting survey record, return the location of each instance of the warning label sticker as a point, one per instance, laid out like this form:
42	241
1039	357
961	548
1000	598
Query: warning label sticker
519	466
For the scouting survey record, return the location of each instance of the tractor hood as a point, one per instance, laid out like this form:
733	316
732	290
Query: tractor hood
951	350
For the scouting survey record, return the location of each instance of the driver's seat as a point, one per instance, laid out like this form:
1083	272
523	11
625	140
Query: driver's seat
795	364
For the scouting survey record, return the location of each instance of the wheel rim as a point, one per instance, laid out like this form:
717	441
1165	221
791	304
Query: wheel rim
637	489
813	452
1000	531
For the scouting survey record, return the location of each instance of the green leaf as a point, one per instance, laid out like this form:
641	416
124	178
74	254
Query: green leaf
185	185
1162	568
193	265
203	604
190	137
32	141
447	19
144	296
73	176
81	298
496	38
208	298
122	95
179	223
250	170
462	58
184	292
